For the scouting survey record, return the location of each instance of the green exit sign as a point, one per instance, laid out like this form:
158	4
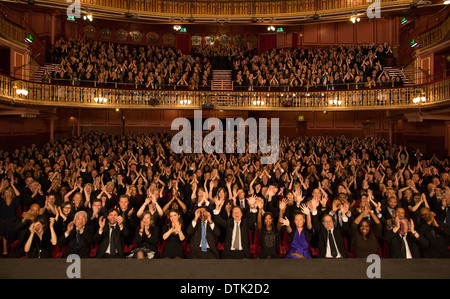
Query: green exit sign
403	21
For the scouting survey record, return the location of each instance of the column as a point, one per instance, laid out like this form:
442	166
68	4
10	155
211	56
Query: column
391	133
78	123
52	32
52	129
447	137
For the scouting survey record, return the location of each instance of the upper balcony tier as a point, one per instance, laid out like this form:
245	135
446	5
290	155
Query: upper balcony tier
415	97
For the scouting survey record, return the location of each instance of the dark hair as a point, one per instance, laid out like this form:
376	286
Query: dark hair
43	220
113	210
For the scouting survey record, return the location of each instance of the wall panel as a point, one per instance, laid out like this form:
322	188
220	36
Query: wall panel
344	119
345	33
310	34
99	117
365	32
327	33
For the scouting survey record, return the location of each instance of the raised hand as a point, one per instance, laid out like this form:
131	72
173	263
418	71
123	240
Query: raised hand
305	210
284	221
101	222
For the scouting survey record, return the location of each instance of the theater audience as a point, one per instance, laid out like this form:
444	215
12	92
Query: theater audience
364	190
318	68
106	64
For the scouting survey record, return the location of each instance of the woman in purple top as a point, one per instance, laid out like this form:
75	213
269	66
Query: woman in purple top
300	235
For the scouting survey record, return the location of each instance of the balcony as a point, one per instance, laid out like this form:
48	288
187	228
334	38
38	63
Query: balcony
42	94
224	10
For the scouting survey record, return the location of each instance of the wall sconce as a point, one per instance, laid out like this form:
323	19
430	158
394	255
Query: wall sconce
258	103
100	100
88	17
185	102
419	100
179	28
354	19
22	92
271	28
335	102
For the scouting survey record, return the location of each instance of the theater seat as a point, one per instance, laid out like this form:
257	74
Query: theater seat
281	249
220	245
161	245
94	247
257	246
186	247
284	244
127	249
314	251
386	250
350	253
251	239
58	251
12	247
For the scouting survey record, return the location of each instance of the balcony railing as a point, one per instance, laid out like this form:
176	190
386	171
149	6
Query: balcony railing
227	7
360	99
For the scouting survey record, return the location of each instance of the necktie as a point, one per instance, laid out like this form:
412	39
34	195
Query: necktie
338	220
237	236
242	204
403	247
332	245
77	237
204	236
112	248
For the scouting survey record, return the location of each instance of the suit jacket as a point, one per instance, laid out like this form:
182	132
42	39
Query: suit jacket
103	239
395	244
196	236
84	245
228	225
322	234
437	238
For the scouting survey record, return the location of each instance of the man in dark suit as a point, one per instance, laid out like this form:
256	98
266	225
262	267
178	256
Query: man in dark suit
110	236
436	232
237	243
403	240
128	214
442	209
78	237
203	232
330	236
